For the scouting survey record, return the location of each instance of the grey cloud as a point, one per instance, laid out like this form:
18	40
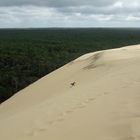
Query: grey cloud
79	6
55	3
46	13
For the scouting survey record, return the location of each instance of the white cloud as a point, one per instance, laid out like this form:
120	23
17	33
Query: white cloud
132	18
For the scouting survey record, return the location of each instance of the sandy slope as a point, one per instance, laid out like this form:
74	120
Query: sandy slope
103	105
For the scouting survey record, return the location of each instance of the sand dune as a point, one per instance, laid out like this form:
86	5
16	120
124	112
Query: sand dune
104	103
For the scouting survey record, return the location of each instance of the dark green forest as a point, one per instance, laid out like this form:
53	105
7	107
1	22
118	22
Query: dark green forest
28	54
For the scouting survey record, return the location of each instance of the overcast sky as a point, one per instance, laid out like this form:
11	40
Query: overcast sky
69	13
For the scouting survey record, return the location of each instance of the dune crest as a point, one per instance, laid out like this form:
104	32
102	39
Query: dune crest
102	104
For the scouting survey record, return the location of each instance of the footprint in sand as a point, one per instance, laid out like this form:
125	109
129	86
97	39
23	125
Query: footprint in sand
60	119
99	95
86	101
91	99
29	133
51	122
42	129
69	111
106	93
81	105
32	133
61	116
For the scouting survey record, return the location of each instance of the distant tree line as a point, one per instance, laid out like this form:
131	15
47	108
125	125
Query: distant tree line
28	54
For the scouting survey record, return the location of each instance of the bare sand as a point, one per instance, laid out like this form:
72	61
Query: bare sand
103	104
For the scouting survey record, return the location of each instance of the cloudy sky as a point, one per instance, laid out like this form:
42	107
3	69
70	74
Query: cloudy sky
69	13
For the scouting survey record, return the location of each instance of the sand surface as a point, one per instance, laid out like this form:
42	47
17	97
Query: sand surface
104	104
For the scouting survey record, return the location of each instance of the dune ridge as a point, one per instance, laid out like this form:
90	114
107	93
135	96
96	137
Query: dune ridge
103	104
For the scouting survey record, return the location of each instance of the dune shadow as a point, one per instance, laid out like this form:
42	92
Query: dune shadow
93	63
